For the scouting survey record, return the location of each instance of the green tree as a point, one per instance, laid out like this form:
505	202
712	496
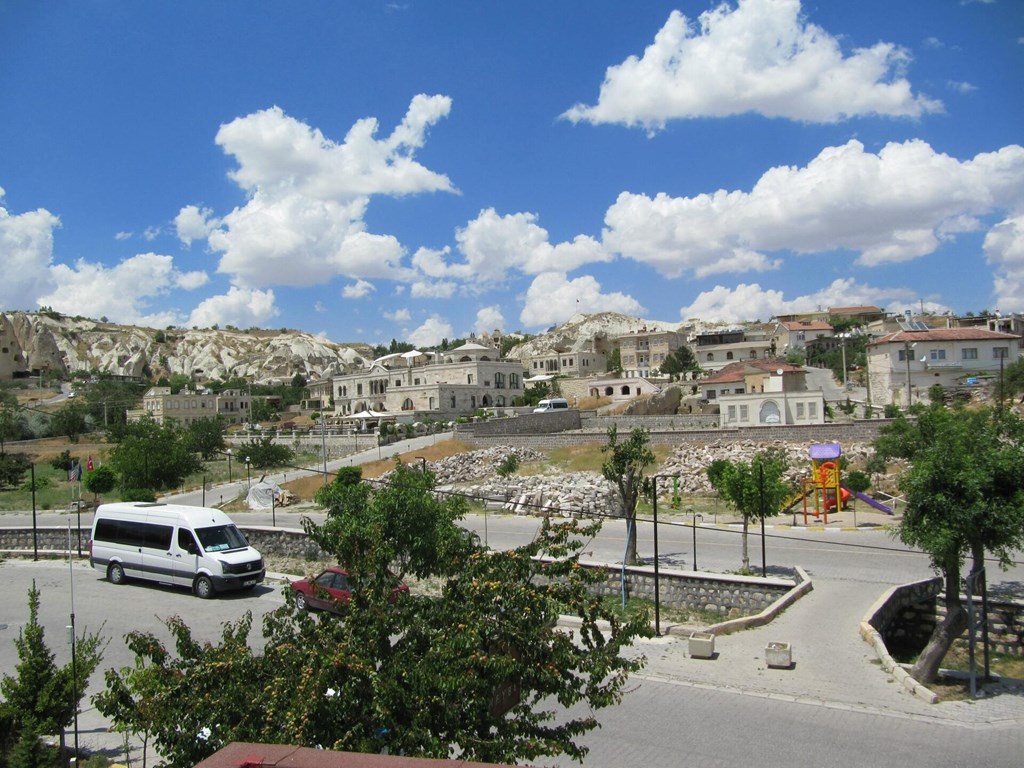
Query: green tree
263	453
69	420
13	467
206	437
756	489
964	496
470	671
41	696
680	362
179	382
262	410
625	467
12	425
614	362
153	456
100	480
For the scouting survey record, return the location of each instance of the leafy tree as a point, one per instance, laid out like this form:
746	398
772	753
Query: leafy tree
42	697
107	401
756	489
70	421
508	466
179	382
206	437
470	672
625	467
1013	378
63	461
12	425
101	480
262	410
13	467
964	495
614	362
153	456
264	453
299	382
680	362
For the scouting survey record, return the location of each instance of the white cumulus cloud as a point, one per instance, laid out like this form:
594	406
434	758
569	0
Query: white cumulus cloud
492	244
488	319
240	307
194	223
26	242
357	290
760	56
307	195
749	301
553	298
121	292
431	332
1004	250
894	206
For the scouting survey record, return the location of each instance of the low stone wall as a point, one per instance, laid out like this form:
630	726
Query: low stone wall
516	435
728	596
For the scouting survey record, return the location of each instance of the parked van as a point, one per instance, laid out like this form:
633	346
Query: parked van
552	404
196	547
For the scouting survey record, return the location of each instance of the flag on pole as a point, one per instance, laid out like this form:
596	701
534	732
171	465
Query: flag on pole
75	474
88	464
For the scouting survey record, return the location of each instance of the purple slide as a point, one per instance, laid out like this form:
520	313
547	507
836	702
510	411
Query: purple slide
869	501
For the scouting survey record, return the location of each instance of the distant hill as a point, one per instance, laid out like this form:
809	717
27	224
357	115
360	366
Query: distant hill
582	331
37	341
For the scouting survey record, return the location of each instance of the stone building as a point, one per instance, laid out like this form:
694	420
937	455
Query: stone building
763	392
233	405
438	385
642	352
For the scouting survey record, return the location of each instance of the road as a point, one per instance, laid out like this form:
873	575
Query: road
663	720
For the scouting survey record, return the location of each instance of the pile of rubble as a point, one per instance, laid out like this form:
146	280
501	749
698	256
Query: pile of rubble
466	467
573	494
690	463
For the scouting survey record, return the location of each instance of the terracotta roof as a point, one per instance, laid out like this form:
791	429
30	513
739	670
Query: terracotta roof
805	325
944	334
239	754
741	368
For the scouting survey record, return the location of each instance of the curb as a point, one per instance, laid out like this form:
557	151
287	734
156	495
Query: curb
873	637
768	614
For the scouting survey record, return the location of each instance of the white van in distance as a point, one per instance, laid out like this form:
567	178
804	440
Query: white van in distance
196	547
552	404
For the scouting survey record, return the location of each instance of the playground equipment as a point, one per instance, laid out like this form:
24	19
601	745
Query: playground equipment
825	484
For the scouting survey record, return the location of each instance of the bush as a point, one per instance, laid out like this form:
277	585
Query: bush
138	494
62	461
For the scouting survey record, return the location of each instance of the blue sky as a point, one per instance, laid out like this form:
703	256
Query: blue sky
423	170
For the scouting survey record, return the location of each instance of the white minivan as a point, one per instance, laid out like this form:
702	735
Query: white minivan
196	547
552	404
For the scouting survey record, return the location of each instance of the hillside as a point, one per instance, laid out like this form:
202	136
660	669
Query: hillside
64	345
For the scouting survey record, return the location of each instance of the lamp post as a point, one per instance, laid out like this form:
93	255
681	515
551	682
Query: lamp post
844	336
423	463
248	477
228	452
323	443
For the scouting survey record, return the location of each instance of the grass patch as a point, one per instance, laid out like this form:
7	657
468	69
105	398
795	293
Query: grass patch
1001	664
636	606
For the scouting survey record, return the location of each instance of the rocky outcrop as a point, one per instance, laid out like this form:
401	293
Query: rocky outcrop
47	343
585	332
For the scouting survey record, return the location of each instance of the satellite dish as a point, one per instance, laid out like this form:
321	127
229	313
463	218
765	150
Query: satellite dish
779	371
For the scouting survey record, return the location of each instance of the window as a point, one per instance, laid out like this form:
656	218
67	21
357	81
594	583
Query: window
711	394
936	354
359	389
469	378
711	356
407	404
732	413
812	410
800	410
969	353
1000	353
728	355
744	413
453	401
902	355
513	381
499	380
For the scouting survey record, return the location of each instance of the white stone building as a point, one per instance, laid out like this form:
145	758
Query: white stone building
763	393
904	365
159	404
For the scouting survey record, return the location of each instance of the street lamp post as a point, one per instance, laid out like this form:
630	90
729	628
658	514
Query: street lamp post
423	463
844	337
323	443
228	452
248	477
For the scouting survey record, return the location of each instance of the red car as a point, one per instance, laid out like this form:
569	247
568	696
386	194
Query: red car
329	591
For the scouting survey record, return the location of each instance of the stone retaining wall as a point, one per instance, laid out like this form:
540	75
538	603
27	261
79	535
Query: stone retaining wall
519	432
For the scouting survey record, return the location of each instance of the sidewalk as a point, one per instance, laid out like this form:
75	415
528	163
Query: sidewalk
833	667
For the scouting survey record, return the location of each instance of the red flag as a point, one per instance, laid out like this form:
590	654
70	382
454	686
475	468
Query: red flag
88	464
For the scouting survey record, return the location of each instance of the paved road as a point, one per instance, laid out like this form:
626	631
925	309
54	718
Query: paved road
834	708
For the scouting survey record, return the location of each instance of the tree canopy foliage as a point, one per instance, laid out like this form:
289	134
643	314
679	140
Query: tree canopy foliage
756	488
206	437
680	362
152	456
478	669
42	697
964	495
625	466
